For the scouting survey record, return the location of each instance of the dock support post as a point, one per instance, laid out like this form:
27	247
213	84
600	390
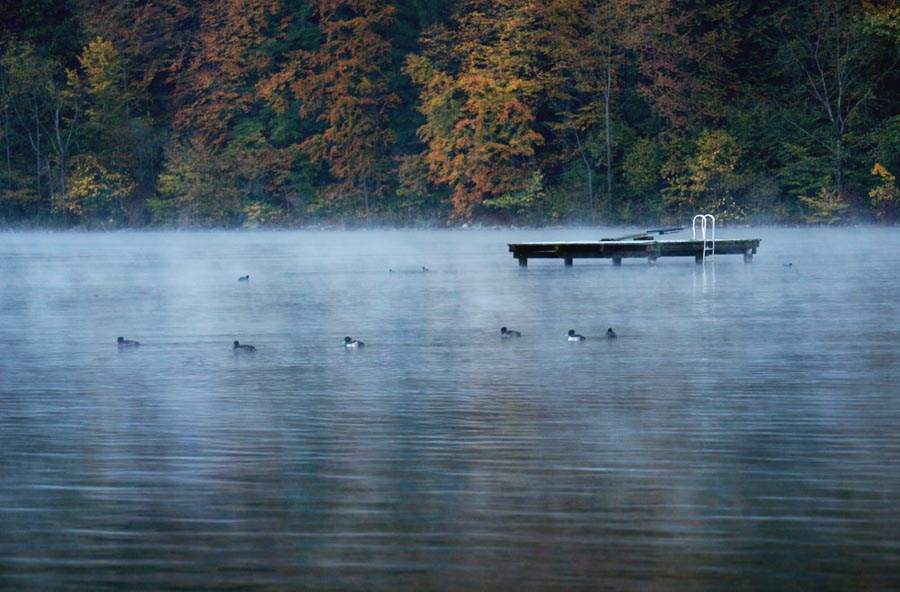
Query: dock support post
523	262
568	262
748	256
651	260
617	261
698	259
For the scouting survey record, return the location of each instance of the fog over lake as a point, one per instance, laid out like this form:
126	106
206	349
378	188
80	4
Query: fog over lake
741	433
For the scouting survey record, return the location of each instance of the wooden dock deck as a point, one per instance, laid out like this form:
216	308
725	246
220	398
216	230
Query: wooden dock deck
642	247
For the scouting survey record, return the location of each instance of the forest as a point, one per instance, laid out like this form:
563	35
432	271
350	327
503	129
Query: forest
287	113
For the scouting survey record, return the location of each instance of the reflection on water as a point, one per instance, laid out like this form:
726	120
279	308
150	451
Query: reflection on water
740	434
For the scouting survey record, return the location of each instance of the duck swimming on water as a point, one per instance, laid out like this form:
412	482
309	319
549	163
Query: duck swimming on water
349	342
505	333
610	333
127	342
573	336
238	347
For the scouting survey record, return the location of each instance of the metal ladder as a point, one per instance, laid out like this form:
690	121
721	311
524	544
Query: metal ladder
709	245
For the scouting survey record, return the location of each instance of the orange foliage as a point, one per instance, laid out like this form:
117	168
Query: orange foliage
480	84
683	56
228	59
155	36
343	86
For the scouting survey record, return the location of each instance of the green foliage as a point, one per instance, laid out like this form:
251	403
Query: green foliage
641	167
885	142
556	205
199	181
40	115
163	211
103	81
520	203
258	214
761	199
417	198
804	170
826	207
18	201
711	178
93	191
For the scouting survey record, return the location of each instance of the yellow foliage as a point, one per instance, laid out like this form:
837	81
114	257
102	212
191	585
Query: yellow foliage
880	171
887	193
709	181
104	77
824	208
92	189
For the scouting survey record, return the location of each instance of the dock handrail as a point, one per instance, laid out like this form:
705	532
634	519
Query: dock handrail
709	246
646	234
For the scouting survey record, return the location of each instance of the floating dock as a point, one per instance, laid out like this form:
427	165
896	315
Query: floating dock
639	246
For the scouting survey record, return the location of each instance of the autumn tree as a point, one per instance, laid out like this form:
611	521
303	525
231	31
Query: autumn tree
541	110
229	57
218	113
342	86
480	86
198	187
683	56
712	179
117	146
155	39
94	191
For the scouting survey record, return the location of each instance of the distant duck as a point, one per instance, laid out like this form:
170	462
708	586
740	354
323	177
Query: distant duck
244	278
504	333
238	347
127	342
424	268
573	336
349	342
610	333
787	264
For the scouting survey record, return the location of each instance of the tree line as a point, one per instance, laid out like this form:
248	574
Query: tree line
288	112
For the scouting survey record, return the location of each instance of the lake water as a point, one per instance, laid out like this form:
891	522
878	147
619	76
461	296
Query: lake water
741	433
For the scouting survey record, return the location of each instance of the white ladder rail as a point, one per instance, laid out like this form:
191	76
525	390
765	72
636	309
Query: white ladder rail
709	245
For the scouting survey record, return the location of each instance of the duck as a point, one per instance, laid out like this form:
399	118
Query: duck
244	278
610	333
349	342
238	347
573	336
504	333
127	342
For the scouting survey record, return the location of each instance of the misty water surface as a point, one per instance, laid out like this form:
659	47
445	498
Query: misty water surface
741	433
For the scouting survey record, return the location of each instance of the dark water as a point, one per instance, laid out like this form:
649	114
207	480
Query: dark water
742	433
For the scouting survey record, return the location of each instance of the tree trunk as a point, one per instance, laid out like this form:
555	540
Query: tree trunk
8	146
606	101
61	141
590	173
36	146
366	196
839	165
